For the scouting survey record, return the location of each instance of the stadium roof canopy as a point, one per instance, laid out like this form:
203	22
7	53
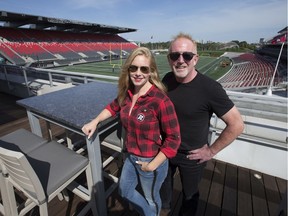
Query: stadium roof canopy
284	30
18	20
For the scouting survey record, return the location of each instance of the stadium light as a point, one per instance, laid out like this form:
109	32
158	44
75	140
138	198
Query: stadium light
269	90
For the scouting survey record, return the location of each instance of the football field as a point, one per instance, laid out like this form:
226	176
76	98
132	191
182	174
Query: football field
206	65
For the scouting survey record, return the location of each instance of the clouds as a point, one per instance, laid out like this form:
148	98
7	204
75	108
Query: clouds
226	21
95	4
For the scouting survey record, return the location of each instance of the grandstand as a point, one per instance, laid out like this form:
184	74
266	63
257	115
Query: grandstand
281	37
255	72
36	41
44	42
248	70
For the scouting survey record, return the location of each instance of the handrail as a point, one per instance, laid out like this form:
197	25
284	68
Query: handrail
265	118
247	103
51	75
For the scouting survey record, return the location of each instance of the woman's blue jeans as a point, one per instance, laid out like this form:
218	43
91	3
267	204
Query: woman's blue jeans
132	175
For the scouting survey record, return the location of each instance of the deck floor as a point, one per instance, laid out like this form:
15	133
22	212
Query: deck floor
225	189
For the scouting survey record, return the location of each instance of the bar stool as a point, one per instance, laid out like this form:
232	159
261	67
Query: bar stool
40	172
19	140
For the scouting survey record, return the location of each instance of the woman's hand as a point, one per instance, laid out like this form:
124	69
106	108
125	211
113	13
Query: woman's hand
89	128
154	164
145	166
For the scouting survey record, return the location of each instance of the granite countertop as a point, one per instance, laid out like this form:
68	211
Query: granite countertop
74	106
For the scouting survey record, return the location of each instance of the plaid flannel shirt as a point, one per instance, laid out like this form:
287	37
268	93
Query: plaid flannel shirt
152	125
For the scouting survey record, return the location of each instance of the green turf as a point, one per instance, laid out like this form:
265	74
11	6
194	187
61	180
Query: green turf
206	65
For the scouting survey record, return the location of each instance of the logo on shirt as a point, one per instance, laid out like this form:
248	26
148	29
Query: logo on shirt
140	117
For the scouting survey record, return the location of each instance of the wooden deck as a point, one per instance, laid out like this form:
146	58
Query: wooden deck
224	190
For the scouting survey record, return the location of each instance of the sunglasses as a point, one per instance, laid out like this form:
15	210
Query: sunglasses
187	56
134	68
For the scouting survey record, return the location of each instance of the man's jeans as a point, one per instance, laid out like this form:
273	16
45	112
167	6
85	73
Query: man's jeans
190	174
150	203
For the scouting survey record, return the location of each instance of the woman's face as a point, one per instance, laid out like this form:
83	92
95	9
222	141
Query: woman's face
139	71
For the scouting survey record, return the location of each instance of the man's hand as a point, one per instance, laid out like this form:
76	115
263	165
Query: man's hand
202	154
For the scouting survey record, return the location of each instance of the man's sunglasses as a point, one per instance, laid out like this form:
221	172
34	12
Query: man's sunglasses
134	68
187	56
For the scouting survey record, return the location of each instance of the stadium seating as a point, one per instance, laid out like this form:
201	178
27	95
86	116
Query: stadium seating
10	54
24	46
248	70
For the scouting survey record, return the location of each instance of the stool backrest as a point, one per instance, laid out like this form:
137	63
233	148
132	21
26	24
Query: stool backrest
17	169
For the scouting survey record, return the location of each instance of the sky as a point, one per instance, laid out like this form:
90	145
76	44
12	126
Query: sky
160	20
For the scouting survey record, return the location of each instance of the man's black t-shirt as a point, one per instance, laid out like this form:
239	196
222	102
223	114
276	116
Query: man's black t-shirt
195	102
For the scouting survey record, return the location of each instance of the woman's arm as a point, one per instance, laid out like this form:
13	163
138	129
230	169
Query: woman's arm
170	129
90	127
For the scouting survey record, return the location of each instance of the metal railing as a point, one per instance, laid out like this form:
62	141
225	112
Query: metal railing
265	117
25	81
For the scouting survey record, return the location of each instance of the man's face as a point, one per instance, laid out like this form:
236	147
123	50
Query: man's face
184	65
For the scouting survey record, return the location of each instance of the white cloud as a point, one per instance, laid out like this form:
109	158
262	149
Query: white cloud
239	20
97	4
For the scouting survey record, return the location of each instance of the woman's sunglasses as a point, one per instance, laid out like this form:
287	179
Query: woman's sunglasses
134	68
187	56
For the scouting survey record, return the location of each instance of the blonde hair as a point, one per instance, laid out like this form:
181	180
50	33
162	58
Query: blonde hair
124	82
185	36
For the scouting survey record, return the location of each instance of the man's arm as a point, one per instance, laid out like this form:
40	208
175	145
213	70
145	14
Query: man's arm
234	127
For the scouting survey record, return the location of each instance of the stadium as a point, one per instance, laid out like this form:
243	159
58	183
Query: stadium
41	56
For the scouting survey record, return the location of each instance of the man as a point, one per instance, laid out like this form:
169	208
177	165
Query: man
195	97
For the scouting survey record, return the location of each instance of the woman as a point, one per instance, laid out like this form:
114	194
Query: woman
152	130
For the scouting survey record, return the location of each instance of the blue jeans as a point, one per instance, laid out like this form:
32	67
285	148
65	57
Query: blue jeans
150	203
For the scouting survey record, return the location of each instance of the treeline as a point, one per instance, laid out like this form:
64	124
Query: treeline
233	46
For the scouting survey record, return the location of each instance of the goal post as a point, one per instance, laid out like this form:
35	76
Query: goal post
120	57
